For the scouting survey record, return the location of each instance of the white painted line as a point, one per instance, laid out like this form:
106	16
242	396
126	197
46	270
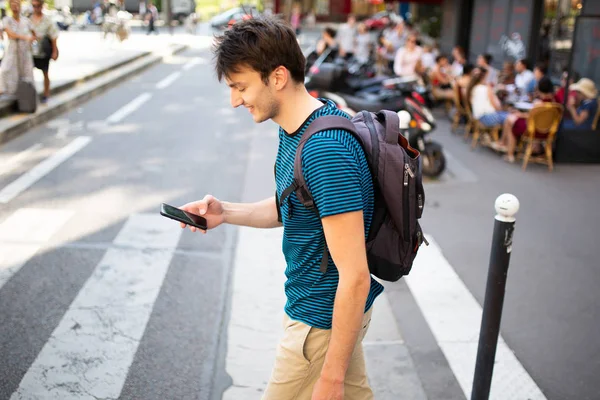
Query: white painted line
90	352
31	227
255	324
128	108
13	162
454	317
166	82
193	62
39	171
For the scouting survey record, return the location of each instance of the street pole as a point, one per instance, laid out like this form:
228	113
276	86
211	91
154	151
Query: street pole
167	4
507	206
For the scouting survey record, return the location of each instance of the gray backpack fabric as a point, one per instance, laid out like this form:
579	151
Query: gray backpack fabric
395	234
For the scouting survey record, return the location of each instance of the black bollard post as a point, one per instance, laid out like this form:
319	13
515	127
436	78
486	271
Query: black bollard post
507	206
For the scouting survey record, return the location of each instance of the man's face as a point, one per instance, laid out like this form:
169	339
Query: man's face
519	67
538	74
248	90
481	61
37	7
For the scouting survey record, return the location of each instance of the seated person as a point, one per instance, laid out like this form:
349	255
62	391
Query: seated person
539	72
327	40
407	57
486	107
559	97
516	123
507	75
485	61
464	80
441	80
460	59
523	77
583	107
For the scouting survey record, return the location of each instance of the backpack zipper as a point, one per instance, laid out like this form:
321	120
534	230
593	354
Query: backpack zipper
405	205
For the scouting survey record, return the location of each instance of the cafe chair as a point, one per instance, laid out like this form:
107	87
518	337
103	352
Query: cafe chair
542	124
460	111
597	117
479	129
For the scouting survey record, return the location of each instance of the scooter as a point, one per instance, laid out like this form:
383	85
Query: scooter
324	78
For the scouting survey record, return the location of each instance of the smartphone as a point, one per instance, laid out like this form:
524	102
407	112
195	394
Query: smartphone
183	216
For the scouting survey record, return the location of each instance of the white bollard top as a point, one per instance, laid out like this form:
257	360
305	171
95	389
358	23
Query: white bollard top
507	206
405	118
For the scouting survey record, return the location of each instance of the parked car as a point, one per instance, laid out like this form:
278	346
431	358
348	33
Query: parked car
231	16
381	20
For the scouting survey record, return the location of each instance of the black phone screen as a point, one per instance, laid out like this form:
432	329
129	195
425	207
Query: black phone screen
183	216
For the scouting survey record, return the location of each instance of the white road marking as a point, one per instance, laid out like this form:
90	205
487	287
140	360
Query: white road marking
90	352
166	82
31	228
13	162
128	108
39	171
454	317
193	62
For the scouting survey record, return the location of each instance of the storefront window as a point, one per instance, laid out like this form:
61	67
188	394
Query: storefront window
556	36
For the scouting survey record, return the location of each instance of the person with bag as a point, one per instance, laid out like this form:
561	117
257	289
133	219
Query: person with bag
17	64
46	49
349	209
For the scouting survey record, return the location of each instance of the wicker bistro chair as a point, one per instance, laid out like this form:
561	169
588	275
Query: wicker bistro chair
478	128
460	111
597	117
542	124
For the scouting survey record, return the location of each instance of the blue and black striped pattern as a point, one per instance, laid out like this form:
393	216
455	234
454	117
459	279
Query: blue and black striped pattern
338	176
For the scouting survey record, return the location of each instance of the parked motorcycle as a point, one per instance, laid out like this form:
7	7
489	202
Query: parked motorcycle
330	81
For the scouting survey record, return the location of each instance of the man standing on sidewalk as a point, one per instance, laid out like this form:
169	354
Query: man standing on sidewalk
151	17
327	314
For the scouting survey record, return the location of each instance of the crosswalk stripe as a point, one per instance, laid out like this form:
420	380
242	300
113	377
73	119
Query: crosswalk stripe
36	173
89	353
166	82
193	62
128	108
454	317
23	233
13	162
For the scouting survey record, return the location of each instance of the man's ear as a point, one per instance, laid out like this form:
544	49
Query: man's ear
280	77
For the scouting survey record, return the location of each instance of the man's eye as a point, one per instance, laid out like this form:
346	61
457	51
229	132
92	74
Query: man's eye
242	90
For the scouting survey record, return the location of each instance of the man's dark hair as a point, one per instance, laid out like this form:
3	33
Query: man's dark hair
524	62
545	85
488	58
468	68
262	44
330	31
441	57
542	67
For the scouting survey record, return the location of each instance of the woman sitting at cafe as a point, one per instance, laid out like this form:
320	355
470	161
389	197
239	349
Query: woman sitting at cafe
441	80
516	123
583	107
485	105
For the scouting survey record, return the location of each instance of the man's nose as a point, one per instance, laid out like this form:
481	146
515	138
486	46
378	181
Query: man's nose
235	99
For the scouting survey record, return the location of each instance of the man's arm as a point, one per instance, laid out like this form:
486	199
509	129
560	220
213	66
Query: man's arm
345	238
262	214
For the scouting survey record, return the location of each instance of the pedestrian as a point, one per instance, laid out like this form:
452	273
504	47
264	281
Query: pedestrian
346	37
407	57
327	314
46	32
151	17
18	61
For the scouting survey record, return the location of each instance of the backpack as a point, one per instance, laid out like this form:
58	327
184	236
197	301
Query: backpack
395	235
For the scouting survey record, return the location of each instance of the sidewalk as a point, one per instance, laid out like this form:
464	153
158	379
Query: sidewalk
89	64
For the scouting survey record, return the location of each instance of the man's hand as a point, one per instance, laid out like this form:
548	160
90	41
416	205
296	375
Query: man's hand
326	389
54	55
210	208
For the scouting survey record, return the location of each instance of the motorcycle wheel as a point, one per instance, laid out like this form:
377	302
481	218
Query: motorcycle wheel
433	160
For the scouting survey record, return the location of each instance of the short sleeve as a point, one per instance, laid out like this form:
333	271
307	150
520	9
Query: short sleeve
332	173
52	29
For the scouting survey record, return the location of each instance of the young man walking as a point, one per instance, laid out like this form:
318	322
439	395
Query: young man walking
327	314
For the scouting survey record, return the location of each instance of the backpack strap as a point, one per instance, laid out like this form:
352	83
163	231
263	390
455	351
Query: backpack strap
299	185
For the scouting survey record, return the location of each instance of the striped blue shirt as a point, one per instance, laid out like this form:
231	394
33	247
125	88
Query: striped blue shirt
337	174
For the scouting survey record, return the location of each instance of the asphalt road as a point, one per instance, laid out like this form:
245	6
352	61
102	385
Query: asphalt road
184	140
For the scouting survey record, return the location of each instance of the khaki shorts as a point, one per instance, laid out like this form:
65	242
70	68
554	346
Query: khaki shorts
299	360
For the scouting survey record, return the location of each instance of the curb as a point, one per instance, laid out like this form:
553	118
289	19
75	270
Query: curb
14	125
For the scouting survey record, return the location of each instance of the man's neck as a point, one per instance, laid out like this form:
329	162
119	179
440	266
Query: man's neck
296	109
